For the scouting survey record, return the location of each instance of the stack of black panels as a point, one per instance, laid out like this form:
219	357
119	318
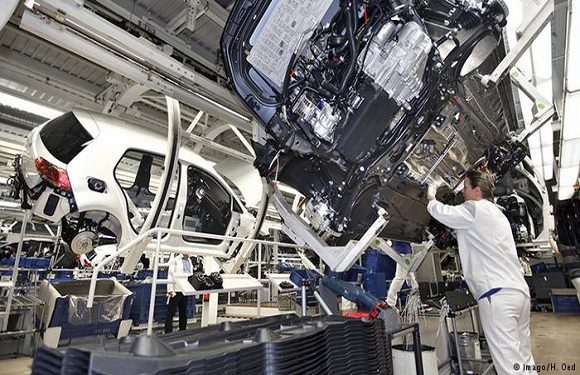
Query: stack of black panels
275	345
47	361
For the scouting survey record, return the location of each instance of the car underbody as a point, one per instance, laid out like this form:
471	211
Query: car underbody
361	104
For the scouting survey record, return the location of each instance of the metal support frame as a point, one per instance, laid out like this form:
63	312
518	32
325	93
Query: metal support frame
409	262
191	13
97	28
452	316
137	14
305	261
158	233
303	293
6	313
130	66
170	166
536	25
338	258
151	233
544	107
194	122
210	8
219	147
548	219
322	303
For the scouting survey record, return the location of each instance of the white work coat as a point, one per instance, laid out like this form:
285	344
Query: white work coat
486	245
177	275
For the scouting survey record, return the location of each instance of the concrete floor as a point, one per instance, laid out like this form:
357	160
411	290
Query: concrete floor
555	339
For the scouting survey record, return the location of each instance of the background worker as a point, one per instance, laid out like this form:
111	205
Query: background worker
180	268
492	270
401	274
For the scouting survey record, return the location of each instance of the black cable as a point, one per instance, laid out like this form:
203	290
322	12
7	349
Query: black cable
351	27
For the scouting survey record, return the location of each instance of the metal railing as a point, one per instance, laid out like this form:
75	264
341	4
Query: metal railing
157	233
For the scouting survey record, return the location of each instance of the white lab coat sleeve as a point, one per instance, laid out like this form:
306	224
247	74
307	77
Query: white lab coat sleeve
190	273
455	217
171	274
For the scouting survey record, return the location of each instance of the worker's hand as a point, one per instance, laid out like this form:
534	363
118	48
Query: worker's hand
431	191
432	187
171	294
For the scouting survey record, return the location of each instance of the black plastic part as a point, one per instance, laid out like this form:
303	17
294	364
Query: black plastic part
151	346
51	204
216	278
366	124
199	281
280	345
97	185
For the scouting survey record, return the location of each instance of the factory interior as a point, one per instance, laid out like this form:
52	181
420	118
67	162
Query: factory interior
290	187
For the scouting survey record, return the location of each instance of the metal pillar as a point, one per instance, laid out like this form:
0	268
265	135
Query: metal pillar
303	300
153	286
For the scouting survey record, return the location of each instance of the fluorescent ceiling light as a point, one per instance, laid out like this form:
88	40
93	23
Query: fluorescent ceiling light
571	118
536	65
28	106
570	147
570	133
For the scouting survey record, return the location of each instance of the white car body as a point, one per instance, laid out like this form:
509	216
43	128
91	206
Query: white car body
106	159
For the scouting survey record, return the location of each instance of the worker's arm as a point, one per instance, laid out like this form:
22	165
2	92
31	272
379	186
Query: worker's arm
171	276
455	217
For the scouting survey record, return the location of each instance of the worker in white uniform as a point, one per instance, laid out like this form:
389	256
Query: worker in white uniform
180	267
492	271
401	274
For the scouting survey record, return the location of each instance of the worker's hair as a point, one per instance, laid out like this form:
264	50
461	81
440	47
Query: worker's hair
484	181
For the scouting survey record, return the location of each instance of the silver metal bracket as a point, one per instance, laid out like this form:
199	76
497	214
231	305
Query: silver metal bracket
409	262
530	33
191	16
543	108
338	258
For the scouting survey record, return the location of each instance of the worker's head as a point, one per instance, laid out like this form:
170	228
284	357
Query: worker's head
477	186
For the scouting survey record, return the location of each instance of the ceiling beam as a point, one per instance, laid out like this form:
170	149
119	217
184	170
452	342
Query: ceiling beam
217	13
138	15
56	33
46	73
49	89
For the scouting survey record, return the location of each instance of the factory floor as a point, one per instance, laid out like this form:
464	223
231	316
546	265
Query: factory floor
555	339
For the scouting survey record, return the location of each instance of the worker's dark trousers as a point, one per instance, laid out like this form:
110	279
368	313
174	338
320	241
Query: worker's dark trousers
181	301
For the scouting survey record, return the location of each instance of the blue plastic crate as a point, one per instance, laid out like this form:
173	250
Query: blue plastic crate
298	277
41	263
565	301
142	297
108	275
336	275
7	261
62	275
377	261
143	274
356	273
376	284
94	325
26	262
37	263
